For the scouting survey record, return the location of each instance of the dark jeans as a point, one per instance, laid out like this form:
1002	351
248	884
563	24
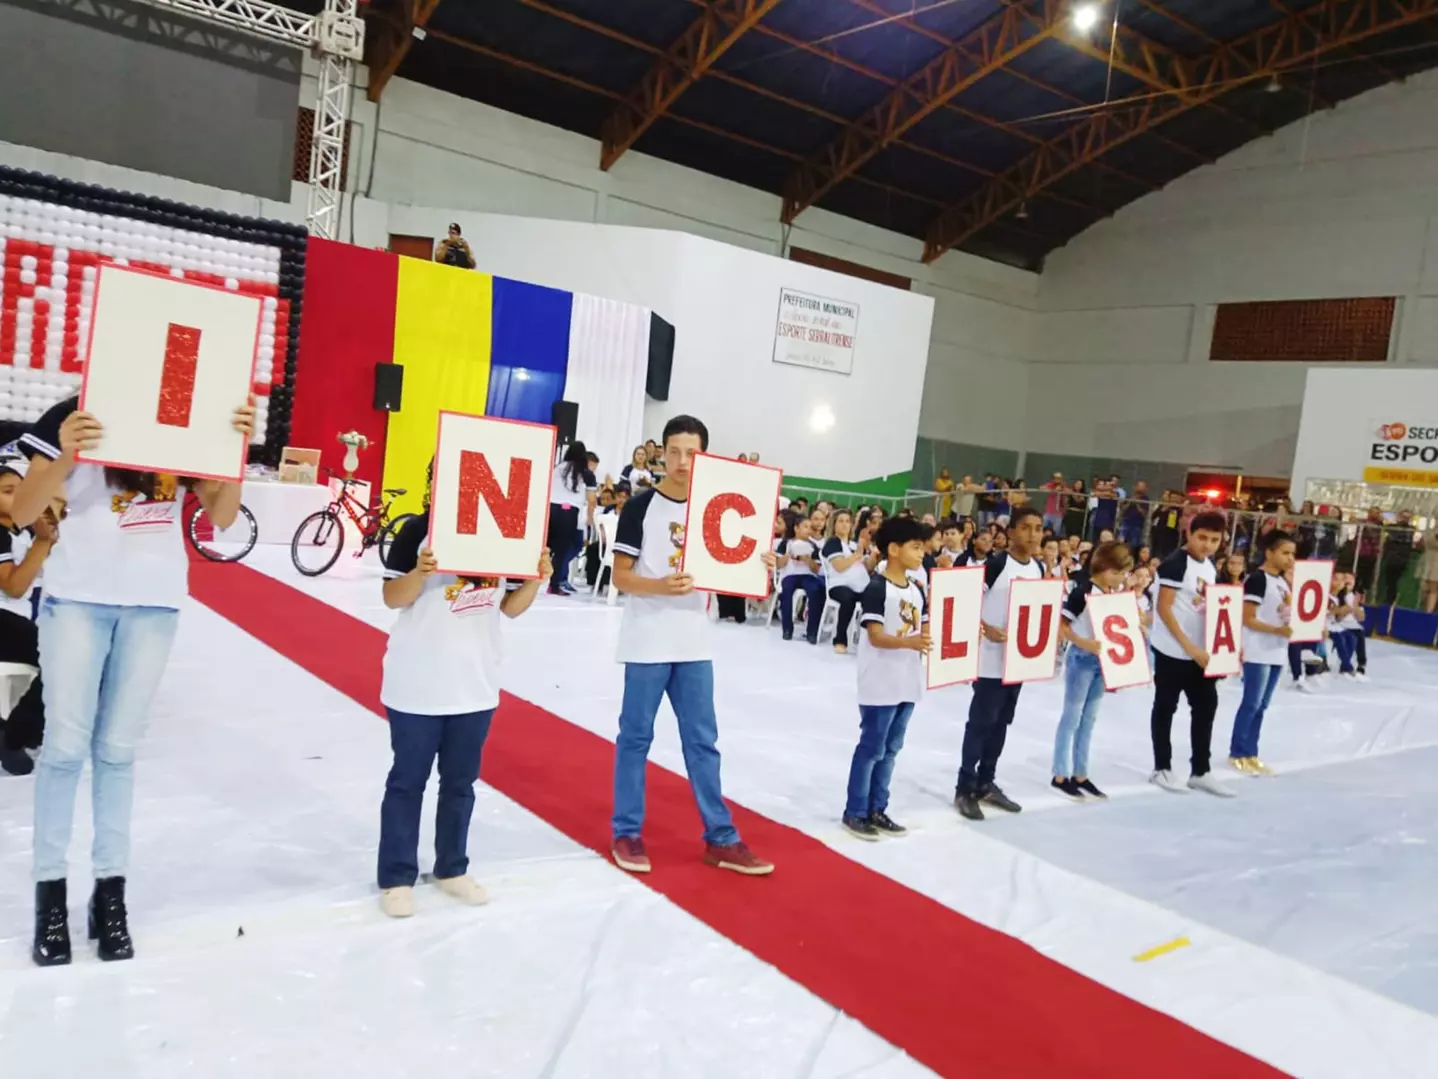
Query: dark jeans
1360	647
881	737
564	541
846	598
732	607
1259	682
1344	644
813	587
1172	679
458	740
990	713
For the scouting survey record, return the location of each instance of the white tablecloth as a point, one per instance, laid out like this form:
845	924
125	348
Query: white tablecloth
279	508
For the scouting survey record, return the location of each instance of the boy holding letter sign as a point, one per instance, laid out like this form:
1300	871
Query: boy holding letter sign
664	646
1308	617
731	504
1181	656
1266	631
957	596
168	362
489	496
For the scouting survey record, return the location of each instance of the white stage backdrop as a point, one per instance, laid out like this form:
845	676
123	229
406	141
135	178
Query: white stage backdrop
608	362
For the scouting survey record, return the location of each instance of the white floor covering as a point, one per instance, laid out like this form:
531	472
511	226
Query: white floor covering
1307	902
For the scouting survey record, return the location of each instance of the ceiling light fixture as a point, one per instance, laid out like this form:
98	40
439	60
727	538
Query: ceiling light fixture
1085	17
1275	85
821	419
1022	213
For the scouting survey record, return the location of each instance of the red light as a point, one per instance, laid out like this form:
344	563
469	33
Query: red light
1213	493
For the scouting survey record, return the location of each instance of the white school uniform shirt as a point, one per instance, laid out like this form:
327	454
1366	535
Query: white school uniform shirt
445	650
891	676
635	477
659	629
1190	579
797	549
1271	593
856	577
14	545
564	491
118	547
1000	572
1075	610
1350	621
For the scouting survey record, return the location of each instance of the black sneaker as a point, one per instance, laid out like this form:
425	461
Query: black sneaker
969	806
994	796
859	827
788	635
886	825
1067	788
1089	788
16	762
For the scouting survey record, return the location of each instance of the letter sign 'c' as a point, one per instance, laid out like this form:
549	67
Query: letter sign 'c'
713	533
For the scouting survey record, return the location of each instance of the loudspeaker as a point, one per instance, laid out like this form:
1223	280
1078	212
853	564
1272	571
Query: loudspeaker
388	386
565	416
661	358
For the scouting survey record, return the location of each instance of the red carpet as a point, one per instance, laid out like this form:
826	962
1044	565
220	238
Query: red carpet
963	999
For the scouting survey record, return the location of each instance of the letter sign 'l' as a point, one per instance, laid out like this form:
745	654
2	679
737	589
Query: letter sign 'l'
1030	649
477	481
177	375
949	649
713	528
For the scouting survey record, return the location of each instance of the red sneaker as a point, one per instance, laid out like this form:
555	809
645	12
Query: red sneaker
628	853
736	857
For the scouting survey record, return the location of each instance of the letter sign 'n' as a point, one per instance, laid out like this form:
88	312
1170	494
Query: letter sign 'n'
477	481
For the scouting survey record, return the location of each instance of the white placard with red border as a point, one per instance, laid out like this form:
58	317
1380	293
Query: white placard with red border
956	597
1123	650
1032	649
729	524
1223	630
167	364
489	500
1308	605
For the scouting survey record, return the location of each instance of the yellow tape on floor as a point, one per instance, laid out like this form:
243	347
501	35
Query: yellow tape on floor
1162	950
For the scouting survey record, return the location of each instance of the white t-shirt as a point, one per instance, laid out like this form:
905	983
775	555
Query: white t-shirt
117	547
659	629
891	676
1351	621
1190	578
797	550
1075	610
637	478
14	545
564	491
444	652
856	577
1270	592
1000	572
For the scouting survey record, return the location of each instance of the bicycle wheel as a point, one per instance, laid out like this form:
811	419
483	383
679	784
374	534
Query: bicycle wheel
387	535
223	545
317	543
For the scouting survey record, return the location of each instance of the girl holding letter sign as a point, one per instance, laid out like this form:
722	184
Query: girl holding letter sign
1084	677
440	690
113	590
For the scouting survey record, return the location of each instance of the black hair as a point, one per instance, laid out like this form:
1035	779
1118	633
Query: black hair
575	464
950	523
686	425
899	530
1023	513
591	457
1273	539
1208	522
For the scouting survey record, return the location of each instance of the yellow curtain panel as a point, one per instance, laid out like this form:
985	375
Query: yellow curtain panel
441	338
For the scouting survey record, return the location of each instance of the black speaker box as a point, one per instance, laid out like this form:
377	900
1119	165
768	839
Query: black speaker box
388	386
661	358
565	416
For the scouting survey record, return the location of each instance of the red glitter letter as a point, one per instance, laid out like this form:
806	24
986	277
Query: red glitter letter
949	649
177	377
1030	649
1121	645
477	481
1223	632
1310	600
713	535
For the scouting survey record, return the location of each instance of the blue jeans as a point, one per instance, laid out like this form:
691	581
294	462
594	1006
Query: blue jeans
881	737
458	740
690	687
102	666
1259	683
1344	643
813	587
1083	694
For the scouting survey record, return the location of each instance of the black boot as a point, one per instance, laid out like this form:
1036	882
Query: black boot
108	922
52	924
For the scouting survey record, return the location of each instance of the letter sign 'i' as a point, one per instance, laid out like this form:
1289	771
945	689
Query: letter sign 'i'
177	375
477	481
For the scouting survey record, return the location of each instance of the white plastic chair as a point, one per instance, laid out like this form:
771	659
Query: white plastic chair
606	561
15	679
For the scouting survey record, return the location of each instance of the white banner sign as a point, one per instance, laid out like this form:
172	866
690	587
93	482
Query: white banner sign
1032	648
815	332
1308	614
169	362
956	595
489	501
729	525
1123	652
1223	630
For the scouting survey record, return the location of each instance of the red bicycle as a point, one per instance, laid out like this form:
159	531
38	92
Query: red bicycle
321	536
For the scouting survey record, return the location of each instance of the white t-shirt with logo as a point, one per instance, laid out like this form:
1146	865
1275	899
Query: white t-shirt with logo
856	577
891	676
118	547
1000	572
1270	592
1351	621
14	546
1190	579
797	550
659	629
445	649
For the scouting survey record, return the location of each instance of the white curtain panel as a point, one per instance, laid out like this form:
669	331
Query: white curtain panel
608	362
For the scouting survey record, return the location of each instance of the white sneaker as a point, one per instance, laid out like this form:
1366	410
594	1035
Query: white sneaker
1359	676
1210	783
1165	779
397	903
1302	685
464	889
